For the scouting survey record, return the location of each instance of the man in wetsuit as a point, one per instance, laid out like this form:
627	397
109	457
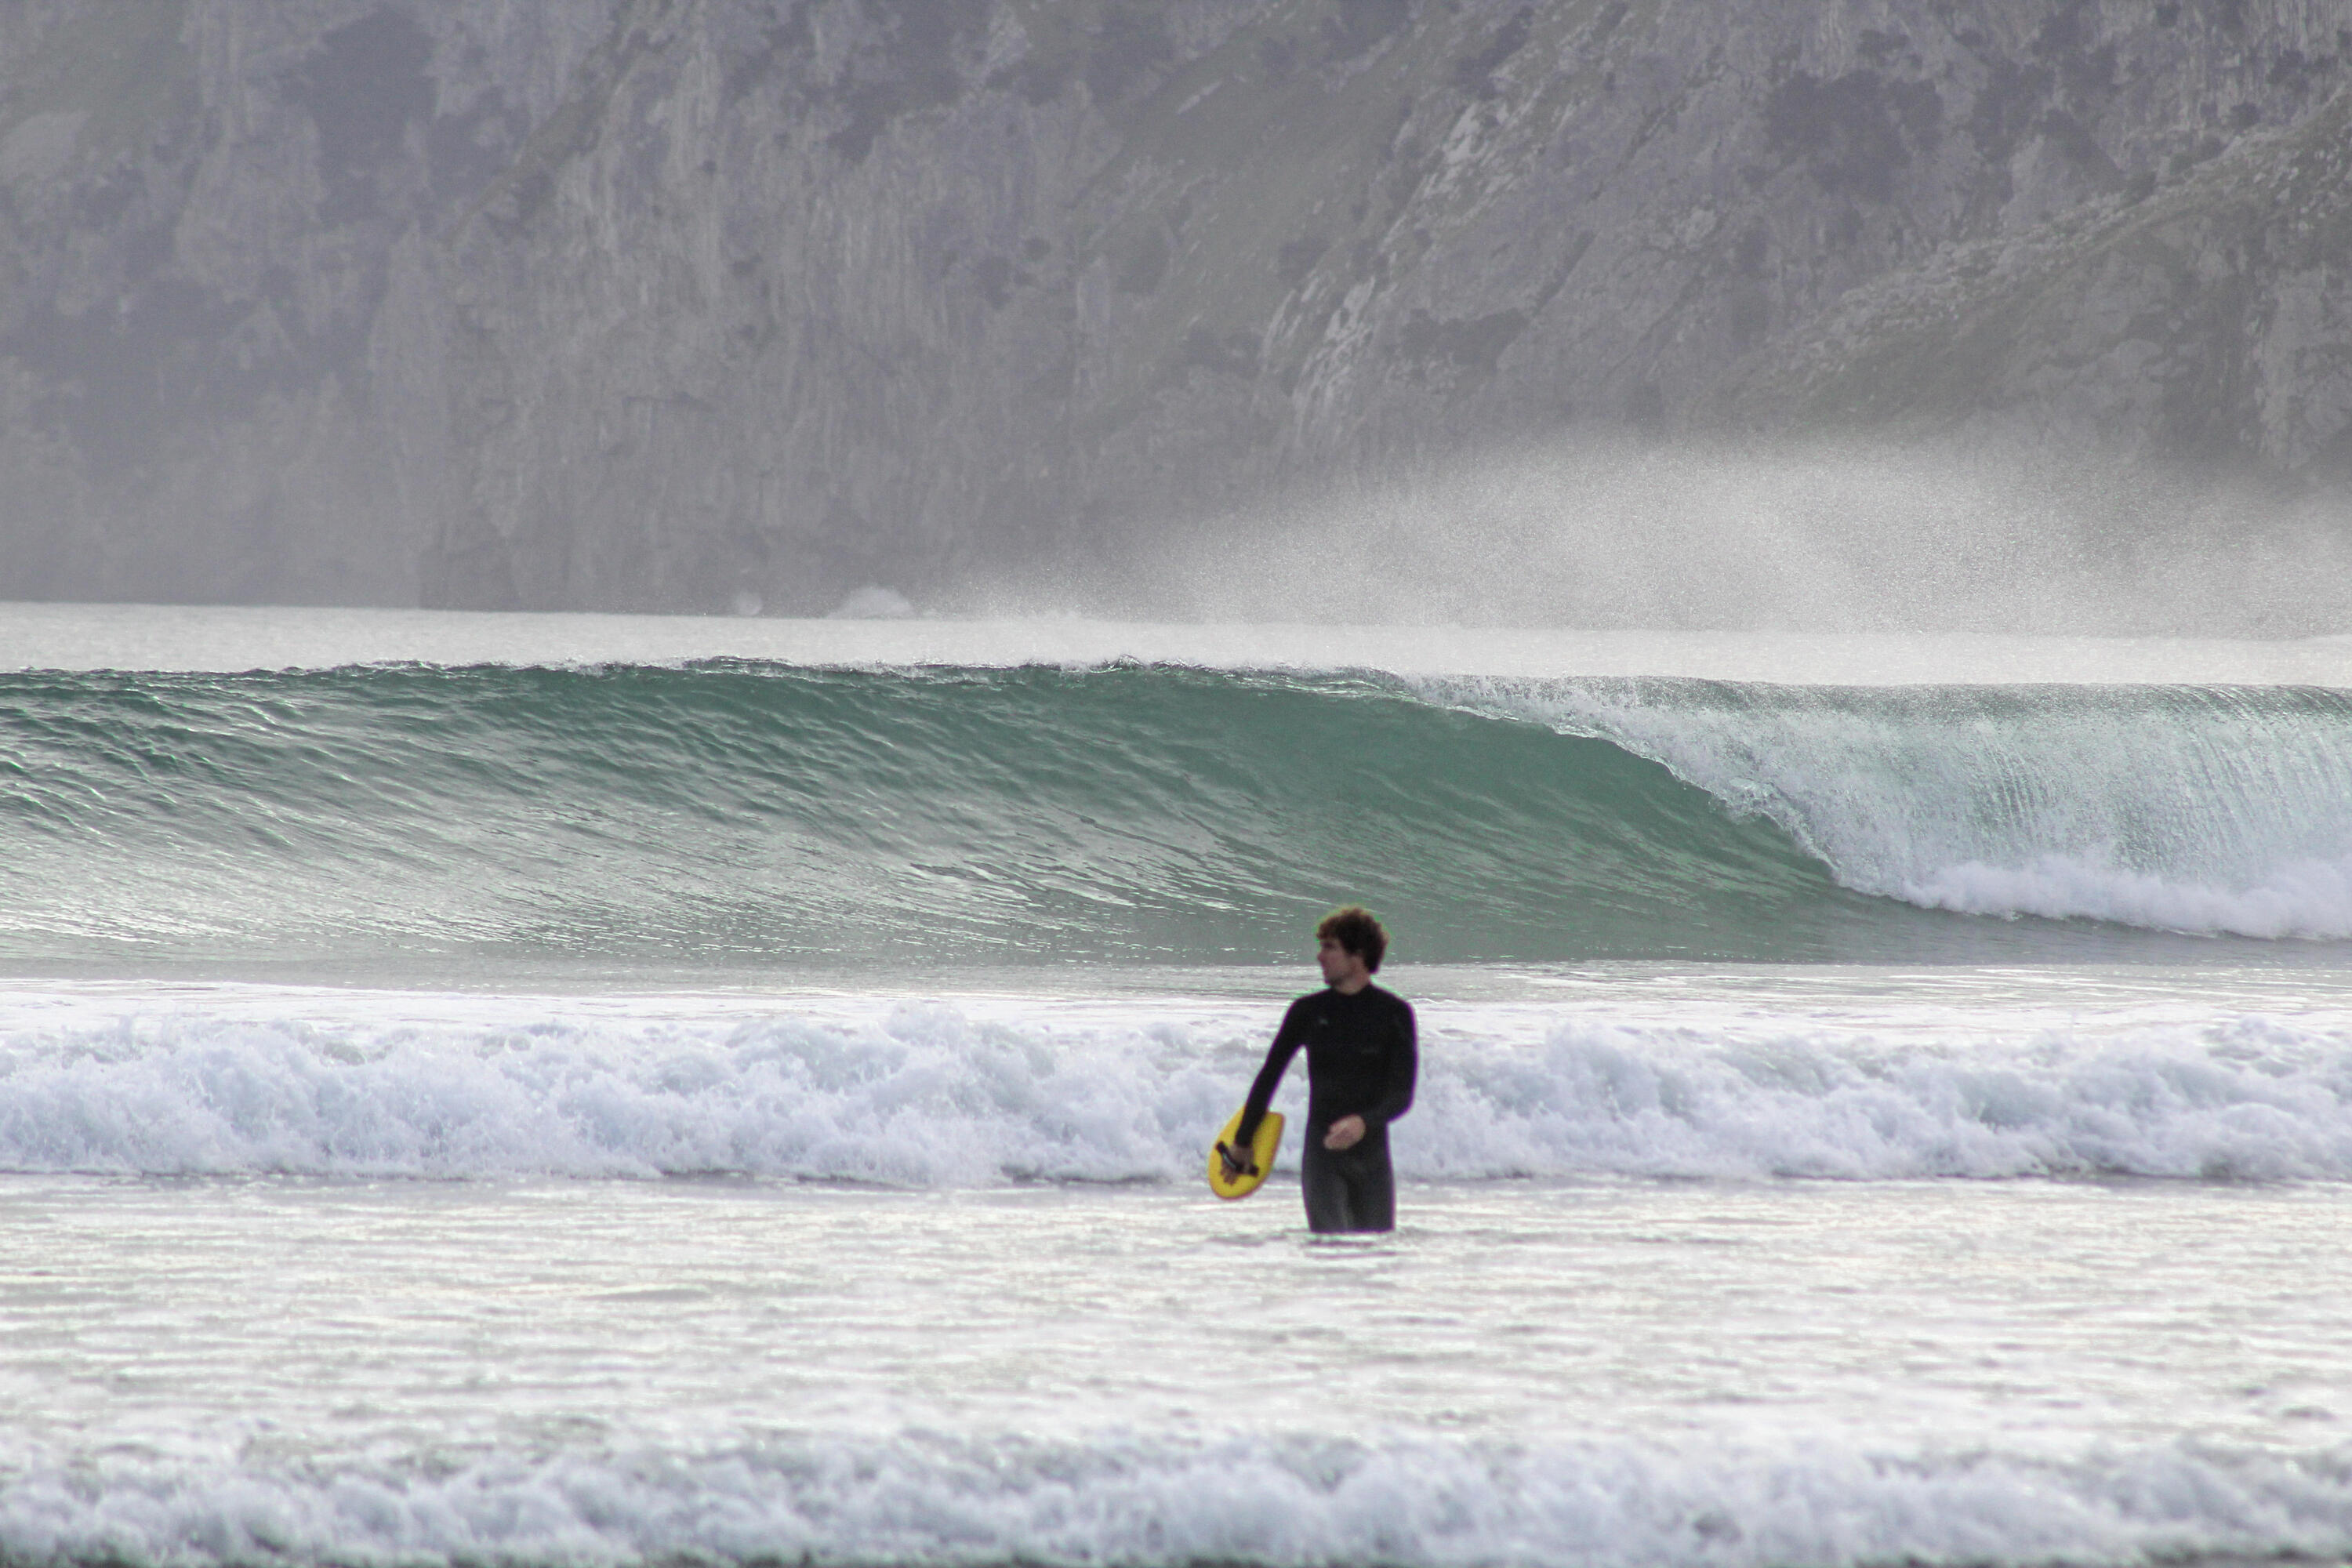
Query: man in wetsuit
1362	1059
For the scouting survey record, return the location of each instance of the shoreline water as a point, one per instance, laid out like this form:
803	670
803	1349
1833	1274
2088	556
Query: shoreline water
428	1138
1609	1373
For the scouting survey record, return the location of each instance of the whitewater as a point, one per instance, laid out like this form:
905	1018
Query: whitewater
610	1091
978	1092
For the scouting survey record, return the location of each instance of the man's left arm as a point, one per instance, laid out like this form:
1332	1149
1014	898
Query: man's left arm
1404	1070
1403	1067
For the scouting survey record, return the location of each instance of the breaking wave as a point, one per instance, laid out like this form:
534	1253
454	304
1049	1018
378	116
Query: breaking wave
924	1095
763	814
1409	1500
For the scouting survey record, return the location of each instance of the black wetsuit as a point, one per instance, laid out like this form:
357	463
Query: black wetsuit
1362	1059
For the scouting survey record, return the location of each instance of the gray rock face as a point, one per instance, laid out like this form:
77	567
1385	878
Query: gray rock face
692	304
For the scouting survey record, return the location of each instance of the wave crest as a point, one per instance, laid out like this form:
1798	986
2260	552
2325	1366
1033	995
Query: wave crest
2202	811
373	819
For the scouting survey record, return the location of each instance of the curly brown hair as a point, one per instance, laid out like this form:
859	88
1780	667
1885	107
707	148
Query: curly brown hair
1359	930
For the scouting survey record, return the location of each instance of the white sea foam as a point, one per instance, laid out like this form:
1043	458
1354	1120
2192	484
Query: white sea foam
920	1097
2212	812
1405	1499
931	1095
2293	897
1630	1100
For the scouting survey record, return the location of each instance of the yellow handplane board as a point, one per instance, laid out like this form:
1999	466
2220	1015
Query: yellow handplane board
1262	1149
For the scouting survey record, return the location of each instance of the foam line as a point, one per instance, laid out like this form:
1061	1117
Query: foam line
1141	1499
925	1097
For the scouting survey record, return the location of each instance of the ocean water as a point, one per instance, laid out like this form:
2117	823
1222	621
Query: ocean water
593	1091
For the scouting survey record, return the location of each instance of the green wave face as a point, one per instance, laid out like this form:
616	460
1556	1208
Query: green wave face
754	814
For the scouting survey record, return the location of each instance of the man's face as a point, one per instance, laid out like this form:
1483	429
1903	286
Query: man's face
1337	961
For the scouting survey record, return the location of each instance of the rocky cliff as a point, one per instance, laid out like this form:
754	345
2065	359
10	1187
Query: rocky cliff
688	304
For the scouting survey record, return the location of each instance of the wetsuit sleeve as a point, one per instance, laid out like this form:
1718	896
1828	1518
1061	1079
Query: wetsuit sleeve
1403	1070
1287	1041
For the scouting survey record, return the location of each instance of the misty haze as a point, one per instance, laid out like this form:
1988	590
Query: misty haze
2008	316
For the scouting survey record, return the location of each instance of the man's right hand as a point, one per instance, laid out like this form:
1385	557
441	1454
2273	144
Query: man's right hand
1237	1160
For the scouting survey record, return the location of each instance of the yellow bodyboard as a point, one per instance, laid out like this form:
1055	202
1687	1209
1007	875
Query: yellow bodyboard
1262	1149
